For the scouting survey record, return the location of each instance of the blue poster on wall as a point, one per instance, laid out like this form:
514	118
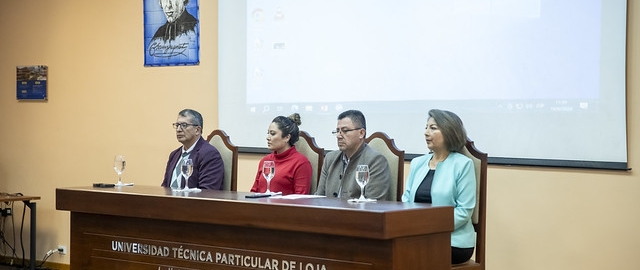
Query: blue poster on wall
31	82
171	32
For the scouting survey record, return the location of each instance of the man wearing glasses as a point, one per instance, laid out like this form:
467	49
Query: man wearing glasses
338	170
208	168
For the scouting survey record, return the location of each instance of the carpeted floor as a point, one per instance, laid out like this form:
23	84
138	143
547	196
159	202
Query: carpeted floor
12	267
5	266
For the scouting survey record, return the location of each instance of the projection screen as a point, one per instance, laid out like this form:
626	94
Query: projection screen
536	82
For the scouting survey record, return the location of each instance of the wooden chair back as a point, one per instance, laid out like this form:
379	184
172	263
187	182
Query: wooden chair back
229	152
395	157
307	146
479	216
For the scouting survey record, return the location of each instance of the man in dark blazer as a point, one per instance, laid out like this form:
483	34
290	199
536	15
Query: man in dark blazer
208	168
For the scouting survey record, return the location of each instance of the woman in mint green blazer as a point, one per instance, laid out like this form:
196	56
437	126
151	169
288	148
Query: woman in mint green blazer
446	177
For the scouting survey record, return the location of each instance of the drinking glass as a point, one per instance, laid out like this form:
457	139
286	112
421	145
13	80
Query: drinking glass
186	171
119	164
362	178
268	170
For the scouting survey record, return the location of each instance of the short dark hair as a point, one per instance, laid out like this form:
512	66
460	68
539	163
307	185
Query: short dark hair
356	117
289	126
453	132
194	115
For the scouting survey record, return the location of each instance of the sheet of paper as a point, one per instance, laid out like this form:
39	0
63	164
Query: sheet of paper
300	196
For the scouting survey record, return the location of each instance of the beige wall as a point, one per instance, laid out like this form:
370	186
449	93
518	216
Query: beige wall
104	102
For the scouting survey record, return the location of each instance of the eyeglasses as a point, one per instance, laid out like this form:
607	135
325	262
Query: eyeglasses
342	131
182	125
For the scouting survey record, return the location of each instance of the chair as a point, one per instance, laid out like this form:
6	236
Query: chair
385	145
479	216
307	146
229	153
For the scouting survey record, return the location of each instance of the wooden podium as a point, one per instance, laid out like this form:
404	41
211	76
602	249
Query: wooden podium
145	227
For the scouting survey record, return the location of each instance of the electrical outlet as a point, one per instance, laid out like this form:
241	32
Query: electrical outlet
62	249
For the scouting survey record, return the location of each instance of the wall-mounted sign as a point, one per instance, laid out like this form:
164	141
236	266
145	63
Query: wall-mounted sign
31	82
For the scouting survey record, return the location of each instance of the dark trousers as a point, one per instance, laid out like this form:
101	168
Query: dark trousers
460	255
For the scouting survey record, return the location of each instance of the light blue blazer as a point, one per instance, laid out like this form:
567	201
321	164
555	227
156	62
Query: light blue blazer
454	183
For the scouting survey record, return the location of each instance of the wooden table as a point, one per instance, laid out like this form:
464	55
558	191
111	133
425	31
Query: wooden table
148	227
28	202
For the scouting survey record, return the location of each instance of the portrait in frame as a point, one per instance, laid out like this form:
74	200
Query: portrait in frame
171	32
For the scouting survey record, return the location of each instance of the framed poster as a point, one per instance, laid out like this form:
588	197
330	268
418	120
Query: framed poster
31	82
171	32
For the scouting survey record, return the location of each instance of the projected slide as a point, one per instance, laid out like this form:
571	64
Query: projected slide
544	71
428	50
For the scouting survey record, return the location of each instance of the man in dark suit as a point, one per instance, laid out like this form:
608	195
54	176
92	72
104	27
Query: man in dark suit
179	21
208	168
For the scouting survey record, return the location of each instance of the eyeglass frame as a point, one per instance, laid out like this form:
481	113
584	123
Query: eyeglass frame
343	131
183	125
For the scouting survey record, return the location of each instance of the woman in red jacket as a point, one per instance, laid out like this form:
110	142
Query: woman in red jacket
293	170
